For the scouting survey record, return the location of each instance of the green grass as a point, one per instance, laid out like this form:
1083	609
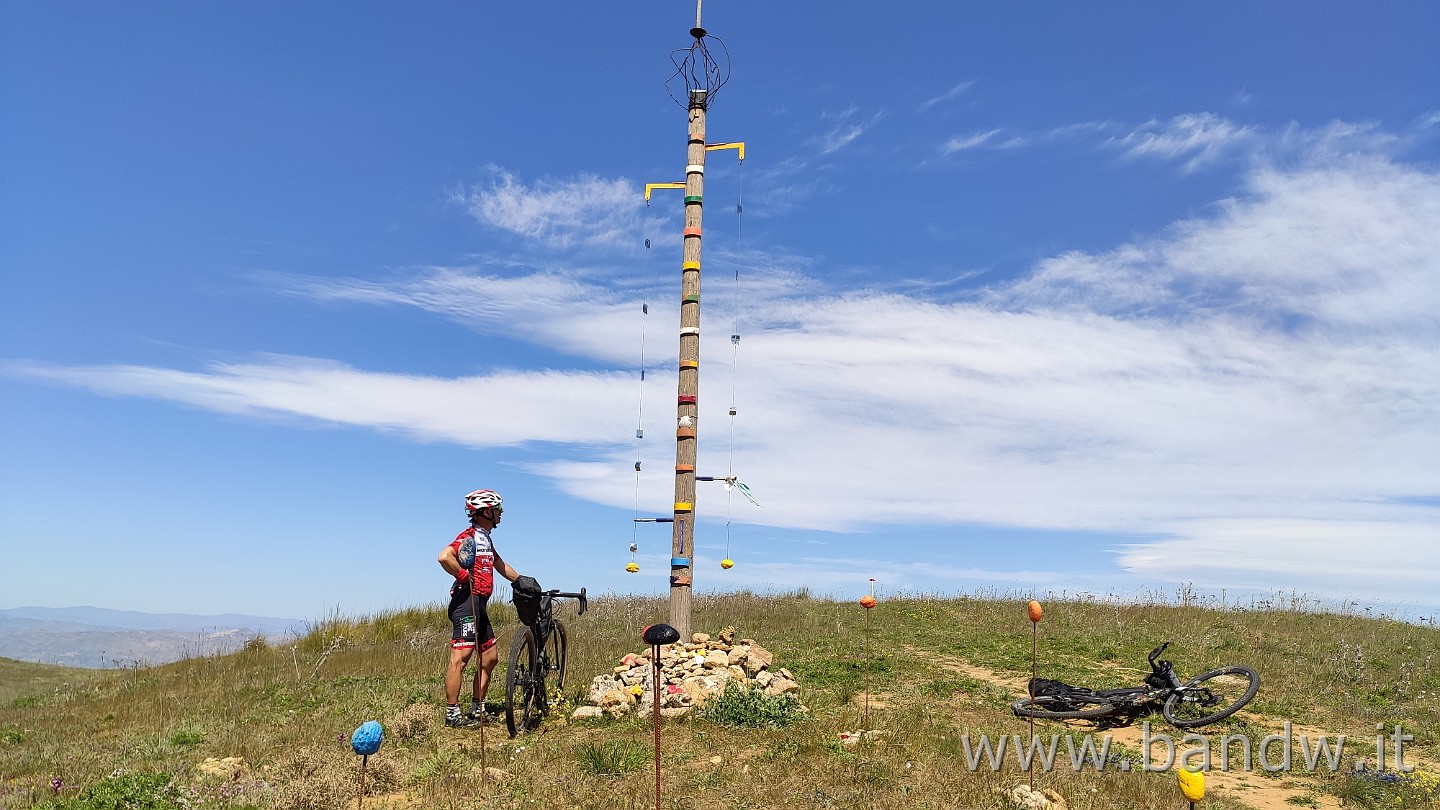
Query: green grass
742	707
29	685
288	710
613	757
140	791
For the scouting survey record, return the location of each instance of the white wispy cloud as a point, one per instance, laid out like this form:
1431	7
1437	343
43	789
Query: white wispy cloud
845	131
532	406
1198	140
961	143
953	92
585	211
1002	138
1329	143
536	306
1195	138
1341	247
1342	559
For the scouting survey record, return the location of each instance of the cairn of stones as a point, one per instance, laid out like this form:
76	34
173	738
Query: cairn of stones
691	673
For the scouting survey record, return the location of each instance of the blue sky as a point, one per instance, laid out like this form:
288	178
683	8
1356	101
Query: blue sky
1033	297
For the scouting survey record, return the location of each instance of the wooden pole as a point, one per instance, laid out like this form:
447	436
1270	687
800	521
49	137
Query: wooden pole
682	545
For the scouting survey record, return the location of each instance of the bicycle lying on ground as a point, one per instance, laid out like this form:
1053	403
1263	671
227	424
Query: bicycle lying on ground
1200	701
539	649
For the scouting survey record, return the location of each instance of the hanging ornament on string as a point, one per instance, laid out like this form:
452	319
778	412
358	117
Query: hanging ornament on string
633	566
640	415
733	482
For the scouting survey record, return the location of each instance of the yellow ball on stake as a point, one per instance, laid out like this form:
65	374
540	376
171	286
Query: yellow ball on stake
1192	784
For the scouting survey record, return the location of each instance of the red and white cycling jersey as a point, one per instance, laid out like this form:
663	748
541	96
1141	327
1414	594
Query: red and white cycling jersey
482	573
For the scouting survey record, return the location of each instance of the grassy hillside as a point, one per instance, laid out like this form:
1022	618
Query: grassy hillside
19	679
940	668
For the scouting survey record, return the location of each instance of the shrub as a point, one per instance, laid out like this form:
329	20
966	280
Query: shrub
752	708
133	791
1386	789
412	722
187	738
612	757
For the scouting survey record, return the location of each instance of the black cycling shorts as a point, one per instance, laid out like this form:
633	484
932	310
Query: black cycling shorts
462	626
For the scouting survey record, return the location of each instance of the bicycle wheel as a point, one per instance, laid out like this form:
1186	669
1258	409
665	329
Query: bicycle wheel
1213	696
522	707
1046	707
556	647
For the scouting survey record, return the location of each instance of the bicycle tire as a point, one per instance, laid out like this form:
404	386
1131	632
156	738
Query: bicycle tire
1039	708
521	705
559	644
1221	693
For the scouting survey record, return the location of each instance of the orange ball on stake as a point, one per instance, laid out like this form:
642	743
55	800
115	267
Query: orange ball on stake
867	601
1034	611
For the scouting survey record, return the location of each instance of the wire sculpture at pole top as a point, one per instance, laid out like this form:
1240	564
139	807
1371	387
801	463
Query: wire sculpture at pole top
698	68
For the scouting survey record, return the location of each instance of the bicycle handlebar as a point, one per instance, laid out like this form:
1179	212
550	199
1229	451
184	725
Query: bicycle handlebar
557	593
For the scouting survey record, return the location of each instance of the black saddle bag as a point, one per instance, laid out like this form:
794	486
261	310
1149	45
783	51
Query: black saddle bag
1070	696
526	597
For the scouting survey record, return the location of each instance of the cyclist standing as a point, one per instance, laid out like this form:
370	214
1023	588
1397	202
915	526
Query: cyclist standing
470	626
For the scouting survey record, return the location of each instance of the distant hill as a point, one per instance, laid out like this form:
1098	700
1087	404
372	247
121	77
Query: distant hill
99	638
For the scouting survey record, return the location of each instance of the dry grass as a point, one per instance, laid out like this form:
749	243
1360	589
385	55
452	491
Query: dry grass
288	711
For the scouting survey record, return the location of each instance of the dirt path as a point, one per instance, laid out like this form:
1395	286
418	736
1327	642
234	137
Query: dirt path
1256	788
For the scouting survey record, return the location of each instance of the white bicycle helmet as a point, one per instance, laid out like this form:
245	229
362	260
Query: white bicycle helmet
482	499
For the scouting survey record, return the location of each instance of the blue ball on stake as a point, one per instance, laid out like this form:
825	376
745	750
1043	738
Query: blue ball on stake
367	738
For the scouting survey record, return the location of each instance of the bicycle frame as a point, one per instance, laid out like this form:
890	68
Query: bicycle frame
1159	684
1207	698
526	698
1162	674
544	627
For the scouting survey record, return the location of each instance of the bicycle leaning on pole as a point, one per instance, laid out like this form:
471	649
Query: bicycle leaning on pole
1200	701
539	649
